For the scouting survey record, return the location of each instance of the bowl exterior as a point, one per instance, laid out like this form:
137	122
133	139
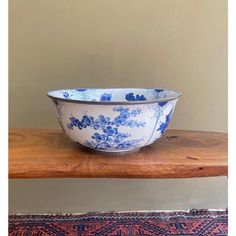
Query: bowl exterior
114	128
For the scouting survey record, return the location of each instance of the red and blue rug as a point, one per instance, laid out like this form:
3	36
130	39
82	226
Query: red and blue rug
193	222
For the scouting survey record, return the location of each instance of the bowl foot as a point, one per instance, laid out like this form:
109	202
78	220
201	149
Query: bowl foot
116	152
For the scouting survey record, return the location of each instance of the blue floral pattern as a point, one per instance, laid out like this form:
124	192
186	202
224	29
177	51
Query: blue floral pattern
107	135
163	126
65	94
117	120
132	97
105	97
113	95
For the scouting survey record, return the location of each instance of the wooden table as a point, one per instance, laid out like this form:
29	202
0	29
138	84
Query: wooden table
41	153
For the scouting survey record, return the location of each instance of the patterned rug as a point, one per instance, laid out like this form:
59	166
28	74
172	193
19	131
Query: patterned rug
194	222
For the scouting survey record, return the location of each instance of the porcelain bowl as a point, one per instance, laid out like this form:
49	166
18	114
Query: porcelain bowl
116	119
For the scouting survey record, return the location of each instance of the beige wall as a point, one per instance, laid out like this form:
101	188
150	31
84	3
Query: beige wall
176	44
86	195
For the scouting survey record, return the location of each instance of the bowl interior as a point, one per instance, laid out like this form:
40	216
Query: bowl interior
114	95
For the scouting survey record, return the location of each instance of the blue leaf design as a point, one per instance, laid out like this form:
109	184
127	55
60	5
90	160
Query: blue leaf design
162	103
165	124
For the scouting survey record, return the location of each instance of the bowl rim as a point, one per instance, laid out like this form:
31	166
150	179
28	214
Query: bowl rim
178	95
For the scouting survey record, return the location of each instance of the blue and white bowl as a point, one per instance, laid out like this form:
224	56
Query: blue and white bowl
117	119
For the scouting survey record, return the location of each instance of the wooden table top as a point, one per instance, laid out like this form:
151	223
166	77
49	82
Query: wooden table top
41	153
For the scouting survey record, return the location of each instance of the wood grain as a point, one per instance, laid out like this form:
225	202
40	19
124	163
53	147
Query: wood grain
38	153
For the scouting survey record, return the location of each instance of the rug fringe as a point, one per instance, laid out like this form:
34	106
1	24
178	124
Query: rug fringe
120	212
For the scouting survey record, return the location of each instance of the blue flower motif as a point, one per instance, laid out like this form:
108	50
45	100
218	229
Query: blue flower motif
65	94
99	137
101	122
135	112
110	131
121	109
105	97
120	138
119	120
125	115
87	120
104	119
124	118
74	122
131	97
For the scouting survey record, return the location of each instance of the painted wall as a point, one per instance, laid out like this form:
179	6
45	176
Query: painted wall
176	44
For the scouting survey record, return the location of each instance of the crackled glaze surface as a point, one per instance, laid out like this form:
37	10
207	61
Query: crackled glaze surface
121	123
